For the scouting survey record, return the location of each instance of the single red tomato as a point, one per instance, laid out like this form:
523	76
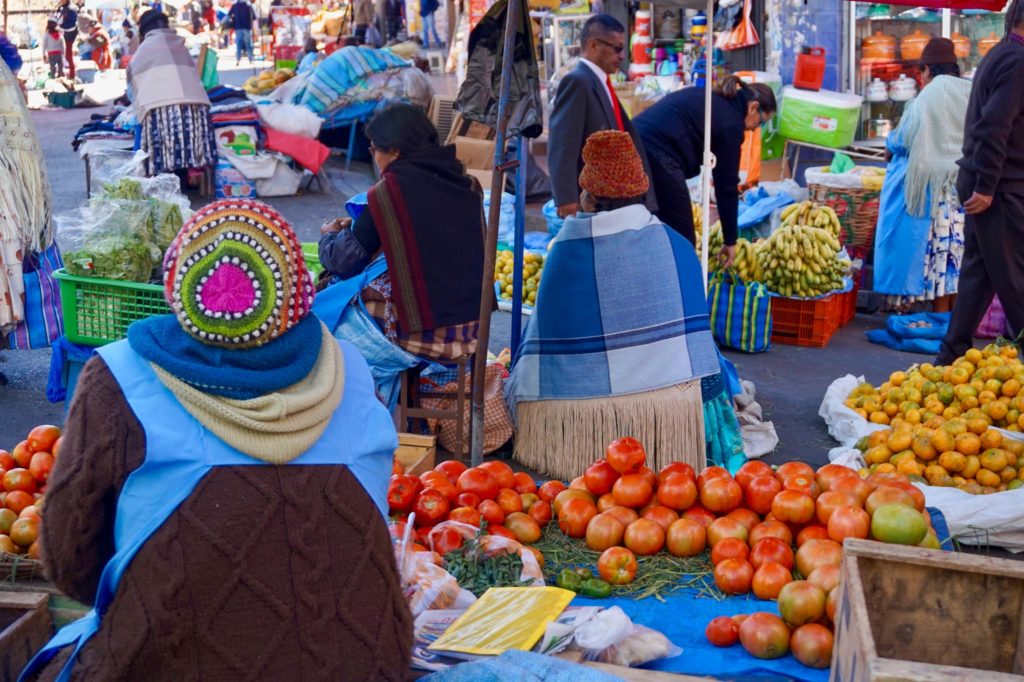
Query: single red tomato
729	548
855	485
501	531
733	576
685	537
491	512
644	537
700	515
677	468
502	473
617	566
826	577
848	522
751	470
17	500
524	483
42	438
794	469
725	527
740	617
760	492
431	508
571	494
804	484
524	526
722	631
452	469
549	490
541	512
769	579
469	500
574	517
632	490
509	501
626	455
709	473
771	550
7	461
649	476
771	529
21	454
812	532
832	604
480	482
578	483
677	491
793	506
625	515
663	516
721	495
745	516
401	493
55	451
911	489
816	553
764	635
605	502
829	501
887	494
446	540
811	644
801	602
828	475
466	515
440	483
600	477
529	499
604	531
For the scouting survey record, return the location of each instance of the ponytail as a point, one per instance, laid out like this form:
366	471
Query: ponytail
731	86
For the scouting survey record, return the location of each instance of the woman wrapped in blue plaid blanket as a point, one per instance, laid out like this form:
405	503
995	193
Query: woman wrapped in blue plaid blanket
621	337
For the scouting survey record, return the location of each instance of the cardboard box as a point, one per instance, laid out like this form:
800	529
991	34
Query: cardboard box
416	453
923	615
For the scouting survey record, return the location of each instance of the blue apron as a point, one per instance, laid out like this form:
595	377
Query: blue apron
180	451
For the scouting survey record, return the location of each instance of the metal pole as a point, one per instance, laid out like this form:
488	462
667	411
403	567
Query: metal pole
518	246
709	158
491	236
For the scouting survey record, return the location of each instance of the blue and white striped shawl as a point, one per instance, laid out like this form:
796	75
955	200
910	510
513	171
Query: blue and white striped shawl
621	309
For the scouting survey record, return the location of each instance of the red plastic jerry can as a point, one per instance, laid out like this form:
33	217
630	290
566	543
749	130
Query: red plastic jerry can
809	73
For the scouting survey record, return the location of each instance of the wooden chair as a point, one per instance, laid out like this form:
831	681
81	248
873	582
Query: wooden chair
410	405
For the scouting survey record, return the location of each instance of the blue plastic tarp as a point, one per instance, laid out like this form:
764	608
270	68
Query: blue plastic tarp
756	205
899	334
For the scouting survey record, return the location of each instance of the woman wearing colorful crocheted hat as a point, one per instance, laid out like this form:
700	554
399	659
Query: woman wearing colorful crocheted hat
411	265
620	338
221	489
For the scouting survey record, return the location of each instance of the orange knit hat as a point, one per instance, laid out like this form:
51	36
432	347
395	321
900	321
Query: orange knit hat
612	168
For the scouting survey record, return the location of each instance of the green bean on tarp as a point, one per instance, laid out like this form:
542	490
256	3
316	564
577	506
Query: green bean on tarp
476	572
658	575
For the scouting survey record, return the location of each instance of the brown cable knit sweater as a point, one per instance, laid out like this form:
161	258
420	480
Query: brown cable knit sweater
263	573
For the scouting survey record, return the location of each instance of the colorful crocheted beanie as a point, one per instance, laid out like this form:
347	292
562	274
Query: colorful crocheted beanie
235	276
612	168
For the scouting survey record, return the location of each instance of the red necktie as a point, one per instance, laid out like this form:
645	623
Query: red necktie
616	107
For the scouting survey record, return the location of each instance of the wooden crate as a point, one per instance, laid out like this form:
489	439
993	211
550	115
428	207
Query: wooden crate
920	615
25	627
416	453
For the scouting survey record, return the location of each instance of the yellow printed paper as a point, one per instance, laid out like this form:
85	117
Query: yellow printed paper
504	618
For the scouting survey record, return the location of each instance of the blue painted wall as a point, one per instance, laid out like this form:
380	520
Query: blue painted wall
817	23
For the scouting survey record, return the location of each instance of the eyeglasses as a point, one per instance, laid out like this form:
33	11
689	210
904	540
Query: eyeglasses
619	49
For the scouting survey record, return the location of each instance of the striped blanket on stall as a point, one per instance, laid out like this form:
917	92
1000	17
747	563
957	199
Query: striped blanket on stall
621	310
328	86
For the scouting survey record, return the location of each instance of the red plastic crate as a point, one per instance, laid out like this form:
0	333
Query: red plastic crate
800	322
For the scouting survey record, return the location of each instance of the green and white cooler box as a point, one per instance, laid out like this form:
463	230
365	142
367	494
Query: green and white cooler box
826	118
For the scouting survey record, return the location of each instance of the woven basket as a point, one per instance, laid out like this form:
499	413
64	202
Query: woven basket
15	567
857	210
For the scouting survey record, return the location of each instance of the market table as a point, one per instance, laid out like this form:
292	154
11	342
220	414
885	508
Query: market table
683	616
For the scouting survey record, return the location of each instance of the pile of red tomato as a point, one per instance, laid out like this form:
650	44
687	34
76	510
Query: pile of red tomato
511	503
23	473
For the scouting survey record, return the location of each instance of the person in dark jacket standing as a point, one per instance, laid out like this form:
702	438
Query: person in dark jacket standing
242	18
673	134
584	104
427	9
991	187
67	17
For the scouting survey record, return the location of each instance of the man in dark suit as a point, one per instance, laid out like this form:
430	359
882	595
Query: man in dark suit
584	104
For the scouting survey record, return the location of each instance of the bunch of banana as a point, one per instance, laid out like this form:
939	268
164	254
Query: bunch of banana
801	261
812	214
747	265
698	217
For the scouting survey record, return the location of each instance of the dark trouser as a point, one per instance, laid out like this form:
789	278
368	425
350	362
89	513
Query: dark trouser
674	206
361	32
56	61
69	53
993	264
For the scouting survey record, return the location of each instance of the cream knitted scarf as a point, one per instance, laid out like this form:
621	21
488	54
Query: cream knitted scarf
276	427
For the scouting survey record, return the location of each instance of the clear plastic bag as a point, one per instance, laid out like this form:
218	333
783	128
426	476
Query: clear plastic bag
426	585
611	637
493	545
110	239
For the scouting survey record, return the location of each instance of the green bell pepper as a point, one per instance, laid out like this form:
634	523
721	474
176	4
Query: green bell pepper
569	579
596	588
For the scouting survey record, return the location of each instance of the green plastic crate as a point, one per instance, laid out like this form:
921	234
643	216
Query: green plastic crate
98	311
311	254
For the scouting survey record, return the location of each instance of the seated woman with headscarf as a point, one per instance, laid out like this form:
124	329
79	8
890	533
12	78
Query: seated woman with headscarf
409	269
170	102
621	335
221	490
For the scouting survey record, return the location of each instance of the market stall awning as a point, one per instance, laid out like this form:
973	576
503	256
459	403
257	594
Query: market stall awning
990	5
